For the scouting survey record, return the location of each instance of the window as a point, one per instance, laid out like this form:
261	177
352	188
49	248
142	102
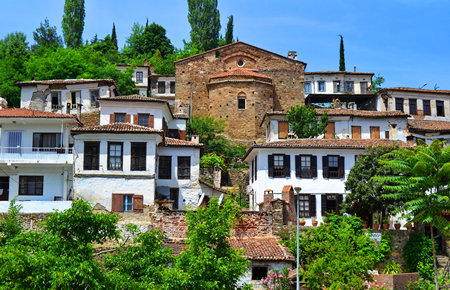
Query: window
283	129
259	273
138	156
307	87
126	202
349	86
337	86
115	155
143	120
172	87
329	131
165	167
331	203
161	87
333	166
95	94
14	141
321	85
119	117
306	166
46	142
75	98
399	104
426	107
440	109
174	194
91	155
278	165
374	132
31	185
184	167
386	134
364	87
56	100
139	77
303	205
413	106
240	63
356	132
241	104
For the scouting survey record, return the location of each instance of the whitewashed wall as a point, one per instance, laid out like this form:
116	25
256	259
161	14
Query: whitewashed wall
329	88
272	266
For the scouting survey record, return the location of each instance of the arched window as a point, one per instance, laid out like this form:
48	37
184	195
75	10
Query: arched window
241	101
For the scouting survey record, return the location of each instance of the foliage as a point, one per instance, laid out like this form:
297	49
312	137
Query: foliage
229	33
204	18
277	280
392	267
46	36
340	249
341	55
73	22
212	160
365	197
208	260
418	254
146	40
114	36
376	84
305	123
10	225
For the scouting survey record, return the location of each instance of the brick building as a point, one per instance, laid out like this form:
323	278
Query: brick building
239	83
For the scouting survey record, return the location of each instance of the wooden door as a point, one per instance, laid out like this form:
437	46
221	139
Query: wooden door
329	131
356	132
374	132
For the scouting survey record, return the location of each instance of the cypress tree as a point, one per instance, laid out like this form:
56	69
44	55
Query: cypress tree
341	55
114	36
229	32
73	22
204	19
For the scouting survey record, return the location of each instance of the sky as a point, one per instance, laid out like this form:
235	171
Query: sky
405	41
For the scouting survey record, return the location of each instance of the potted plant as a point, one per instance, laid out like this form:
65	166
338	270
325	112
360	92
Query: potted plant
365	224
397	225
386	223
408	226
376	222
302	222
314	222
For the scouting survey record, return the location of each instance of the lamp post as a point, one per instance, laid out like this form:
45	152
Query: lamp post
297	190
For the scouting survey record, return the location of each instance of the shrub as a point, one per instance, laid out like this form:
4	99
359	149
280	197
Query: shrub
277	280
212	160
418	255
392	267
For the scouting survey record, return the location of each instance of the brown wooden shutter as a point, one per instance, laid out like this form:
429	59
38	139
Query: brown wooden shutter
287	165
127	118
325	166
356	132
112	118
182	134
151	121
324	205
314	165
117	202
298	167
283	129
136	119
374	132
270	158
329	131
138	203
312	205
341	167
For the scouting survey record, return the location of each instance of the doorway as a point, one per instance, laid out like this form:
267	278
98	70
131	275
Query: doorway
4	188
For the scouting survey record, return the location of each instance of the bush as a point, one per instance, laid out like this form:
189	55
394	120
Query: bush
277	280
418	255
212	160
392	267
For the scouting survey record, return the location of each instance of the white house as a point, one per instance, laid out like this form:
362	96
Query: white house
36	159
338	82
140	76
66	96
163	87
319	166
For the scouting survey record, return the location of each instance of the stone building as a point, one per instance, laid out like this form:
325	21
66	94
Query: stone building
239	83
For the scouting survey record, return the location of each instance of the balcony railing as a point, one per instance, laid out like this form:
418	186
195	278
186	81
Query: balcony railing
35	155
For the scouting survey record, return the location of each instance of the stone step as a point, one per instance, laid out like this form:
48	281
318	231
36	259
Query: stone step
442	261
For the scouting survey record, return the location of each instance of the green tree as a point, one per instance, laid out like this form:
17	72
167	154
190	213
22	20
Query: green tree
229	32
341	55
114	36
422	179
208	259
73	22
46	36
144	41
305	121
10	225
204	19
376	84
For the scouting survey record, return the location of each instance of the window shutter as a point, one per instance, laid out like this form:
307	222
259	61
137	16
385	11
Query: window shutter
287	165
182	134
341	167
117	202
112	118
314	165
324	204
136	119
329	130
283	129
151	121
325	166
270	166
138	203
298	167
340	199
312	205
127	118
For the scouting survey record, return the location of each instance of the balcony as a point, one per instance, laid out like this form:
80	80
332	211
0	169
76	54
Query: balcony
36	155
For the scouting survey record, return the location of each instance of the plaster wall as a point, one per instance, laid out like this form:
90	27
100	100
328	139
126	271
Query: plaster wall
154	87
271	266
29	207
329	87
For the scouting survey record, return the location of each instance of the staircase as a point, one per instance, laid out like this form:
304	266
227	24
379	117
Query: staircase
442	261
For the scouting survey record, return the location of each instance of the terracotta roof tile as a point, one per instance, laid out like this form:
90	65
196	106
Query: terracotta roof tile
133	98
241	72
120	128
28	113
262	249
65	82
428	126
338	72
416	90
180	143
212	186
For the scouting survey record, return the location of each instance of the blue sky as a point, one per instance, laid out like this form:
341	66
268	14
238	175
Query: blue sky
406	41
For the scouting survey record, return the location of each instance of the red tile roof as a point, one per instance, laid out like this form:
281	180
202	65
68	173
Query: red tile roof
337	72
241	72
212	186
66	82
28	113
180	143
119	128
428	126
414	90
262	249
133	98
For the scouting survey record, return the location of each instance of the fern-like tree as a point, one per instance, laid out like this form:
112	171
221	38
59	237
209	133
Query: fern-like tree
422	178
306	122
204	18
73	22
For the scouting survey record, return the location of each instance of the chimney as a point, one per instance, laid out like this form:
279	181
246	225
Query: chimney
145	61
152	69
288	195
354	68
79	112
268	196
195	139
292	54
217	176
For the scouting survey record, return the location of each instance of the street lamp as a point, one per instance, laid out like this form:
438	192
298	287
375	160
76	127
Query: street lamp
297	190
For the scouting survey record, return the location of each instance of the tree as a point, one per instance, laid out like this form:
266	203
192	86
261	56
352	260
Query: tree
376	84
204	19
305	123
365	197
341	55
229	32
422	179
46	36
114	36
208	259
73	22
145	41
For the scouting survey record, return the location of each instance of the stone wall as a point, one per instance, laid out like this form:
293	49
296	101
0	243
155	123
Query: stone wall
232	177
